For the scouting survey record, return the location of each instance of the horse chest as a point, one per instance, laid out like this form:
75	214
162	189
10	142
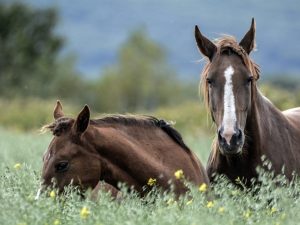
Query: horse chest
234	168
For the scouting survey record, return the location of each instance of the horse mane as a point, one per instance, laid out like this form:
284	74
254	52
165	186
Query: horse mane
64	124
59	126
222	43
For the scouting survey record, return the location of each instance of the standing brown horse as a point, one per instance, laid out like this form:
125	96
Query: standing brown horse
248	124
113	149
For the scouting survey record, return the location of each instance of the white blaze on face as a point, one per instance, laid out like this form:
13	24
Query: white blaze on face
229	117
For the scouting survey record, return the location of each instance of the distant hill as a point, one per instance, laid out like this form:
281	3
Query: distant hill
96	29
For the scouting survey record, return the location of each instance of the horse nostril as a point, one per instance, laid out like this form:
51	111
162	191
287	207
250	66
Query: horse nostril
220	138
237	137
240	134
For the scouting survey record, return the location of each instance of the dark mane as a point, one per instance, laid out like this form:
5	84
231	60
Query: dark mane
144	121
64	124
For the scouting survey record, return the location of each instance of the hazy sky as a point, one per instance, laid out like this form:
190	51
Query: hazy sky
95	29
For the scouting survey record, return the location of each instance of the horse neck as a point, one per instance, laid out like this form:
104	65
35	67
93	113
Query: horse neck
263	124
263	118
98	144
109	145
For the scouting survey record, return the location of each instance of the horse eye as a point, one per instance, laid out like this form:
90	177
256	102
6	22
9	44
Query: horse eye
62	166
209	81
249	79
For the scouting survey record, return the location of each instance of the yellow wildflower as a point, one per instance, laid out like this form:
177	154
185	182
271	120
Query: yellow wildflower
17	166
151	181
238	180
171	201
179	174
189	202
221	210
52	194
273	210
203	187
210	204
56	222
235	192
247	214
84	213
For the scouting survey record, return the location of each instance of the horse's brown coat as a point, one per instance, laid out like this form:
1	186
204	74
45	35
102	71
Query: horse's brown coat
127	149
268	131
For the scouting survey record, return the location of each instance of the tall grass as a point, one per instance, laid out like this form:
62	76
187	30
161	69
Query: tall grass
20	168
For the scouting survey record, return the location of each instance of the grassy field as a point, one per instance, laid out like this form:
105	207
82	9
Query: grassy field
20	166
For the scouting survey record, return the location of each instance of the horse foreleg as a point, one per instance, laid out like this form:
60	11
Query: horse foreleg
103	186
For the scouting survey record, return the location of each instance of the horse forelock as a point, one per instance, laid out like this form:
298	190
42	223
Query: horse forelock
225	42
59	126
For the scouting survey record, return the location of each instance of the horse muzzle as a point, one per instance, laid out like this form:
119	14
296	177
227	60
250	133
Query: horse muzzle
231	143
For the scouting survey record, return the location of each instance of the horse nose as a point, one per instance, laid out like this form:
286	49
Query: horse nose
230	137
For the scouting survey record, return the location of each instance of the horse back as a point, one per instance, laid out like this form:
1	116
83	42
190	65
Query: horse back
293	115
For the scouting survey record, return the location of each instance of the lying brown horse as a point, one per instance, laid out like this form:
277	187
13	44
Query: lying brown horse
128	149
248	124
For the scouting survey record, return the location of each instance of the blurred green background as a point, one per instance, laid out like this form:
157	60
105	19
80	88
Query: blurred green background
34	74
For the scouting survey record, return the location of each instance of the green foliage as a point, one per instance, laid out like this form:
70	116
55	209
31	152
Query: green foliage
28	114
30	65
28	48
280	97
284	81
189	117
274	202
140	80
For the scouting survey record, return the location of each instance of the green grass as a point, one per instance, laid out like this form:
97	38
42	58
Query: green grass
271	204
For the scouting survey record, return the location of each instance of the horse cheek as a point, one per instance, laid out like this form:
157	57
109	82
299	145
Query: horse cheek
92	172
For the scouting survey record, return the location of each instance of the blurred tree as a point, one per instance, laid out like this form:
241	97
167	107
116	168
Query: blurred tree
28	48
141	79
30	64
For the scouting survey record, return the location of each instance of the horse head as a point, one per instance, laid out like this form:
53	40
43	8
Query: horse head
69	158
228	82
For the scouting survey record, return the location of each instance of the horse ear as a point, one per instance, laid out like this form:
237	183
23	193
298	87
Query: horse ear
205	46
248	41
57	113
82	121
